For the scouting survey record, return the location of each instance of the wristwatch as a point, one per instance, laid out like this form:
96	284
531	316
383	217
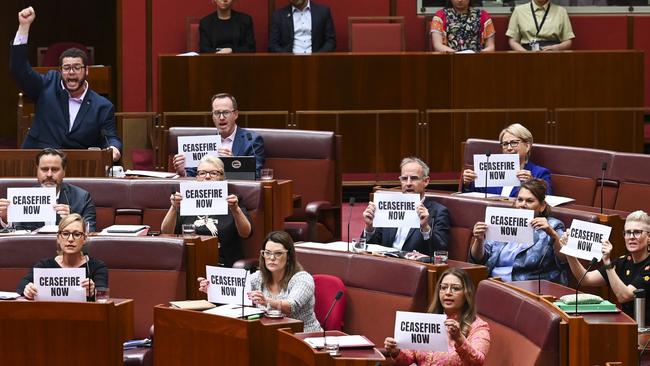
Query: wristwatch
609	266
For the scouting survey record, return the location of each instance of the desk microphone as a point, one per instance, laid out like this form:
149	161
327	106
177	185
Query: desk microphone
487	167
108	145
591	264
337	297
351	203
603	168
247	268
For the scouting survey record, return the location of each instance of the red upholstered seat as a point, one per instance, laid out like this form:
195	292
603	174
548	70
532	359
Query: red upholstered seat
376	34
327	287
192	33
51	57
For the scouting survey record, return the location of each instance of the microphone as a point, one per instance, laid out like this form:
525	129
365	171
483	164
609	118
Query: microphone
105	136
337	297
487	166
591	264
247	268
603	168
351	203
90	296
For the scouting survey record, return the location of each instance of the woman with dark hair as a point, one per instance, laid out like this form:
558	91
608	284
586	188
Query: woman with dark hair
521	261
469	335
461	27
70	240
226	30
281	283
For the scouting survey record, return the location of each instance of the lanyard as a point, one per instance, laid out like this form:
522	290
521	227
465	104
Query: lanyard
539	26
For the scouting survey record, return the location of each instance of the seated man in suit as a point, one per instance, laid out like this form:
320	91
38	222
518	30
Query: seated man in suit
302	27
235	140
68	113
434	218
50	170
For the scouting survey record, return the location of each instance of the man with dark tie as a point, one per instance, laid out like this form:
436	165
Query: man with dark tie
235	140
50	171
302	27
433	233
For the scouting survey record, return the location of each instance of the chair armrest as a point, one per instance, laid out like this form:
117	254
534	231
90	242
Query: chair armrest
313	209
242	263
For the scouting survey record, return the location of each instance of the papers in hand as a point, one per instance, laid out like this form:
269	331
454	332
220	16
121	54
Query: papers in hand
348	341
234	311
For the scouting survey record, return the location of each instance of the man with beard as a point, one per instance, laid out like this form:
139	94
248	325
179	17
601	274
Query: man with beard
433	233
302	27
50	170
68	113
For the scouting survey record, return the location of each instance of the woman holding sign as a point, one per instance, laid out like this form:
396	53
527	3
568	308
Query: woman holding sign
230	228
70	241
627	272
514	139
525	261
469	335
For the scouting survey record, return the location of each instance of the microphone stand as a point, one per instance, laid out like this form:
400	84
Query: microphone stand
487	168
539	273
243	290
336	298
352	199
591	264
603	168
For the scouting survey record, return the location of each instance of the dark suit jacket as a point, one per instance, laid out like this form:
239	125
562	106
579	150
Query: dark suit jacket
242	40
439	222
79	201
50	127
323	38
246	143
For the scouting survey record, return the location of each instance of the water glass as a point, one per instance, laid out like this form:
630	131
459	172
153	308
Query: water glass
188	230
440	257
271	311
359	245
102	294
266	174
332	346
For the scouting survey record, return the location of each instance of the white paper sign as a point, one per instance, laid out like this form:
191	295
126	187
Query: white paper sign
195	147
585	240
59	284
396	210
421	331
501	170
33	204
204	198
227	284
509	225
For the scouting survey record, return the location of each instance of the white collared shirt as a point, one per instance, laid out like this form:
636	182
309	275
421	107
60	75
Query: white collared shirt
226	142
74	104
302	29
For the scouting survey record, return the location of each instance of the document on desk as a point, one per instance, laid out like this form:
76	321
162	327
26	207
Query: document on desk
234	311
347	341
342	246
8	295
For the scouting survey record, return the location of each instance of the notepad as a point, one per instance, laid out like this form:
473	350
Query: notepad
193	304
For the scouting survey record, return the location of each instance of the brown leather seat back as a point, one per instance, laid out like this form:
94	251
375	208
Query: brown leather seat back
149	270
522	330
633	173
373	289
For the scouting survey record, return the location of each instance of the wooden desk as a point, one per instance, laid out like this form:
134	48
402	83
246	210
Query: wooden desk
81	163
279	195
593	339
64	333
196	338
293	350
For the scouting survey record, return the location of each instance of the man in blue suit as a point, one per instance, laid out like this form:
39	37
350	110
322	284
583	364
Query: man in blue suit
69	114
302	27
235	140
433	233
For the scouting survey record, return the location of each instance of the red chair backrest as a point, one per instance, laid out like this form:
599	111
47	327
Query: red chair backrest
326	288
51	57
376	37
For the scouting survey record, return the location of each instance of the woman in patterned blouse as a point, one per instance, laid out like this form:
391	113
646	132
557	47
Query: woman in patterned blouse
469	335
462	28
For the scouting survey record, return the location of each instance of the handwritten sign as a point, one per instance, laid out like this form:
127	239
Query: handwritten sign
509	225
227	284
396	210
196	147
204	198
585	240
501	170
33	204
59	284
421	331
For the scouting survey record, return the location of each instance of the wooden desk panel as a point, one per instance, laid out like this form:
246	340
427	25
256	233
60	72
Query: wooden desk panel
349	356
81	163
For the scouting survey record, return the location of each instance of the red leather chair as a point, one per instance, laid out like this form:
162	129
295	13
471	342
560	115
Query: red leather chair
327	287
192	33
376	34
51	56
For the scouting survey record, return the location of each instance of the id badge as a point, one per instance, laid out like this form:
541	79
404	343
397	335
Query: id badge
534	45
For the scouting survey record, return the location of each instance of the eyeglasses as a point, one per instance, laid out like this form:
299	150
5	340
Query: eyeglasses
270	254
75	234
212	173
406	178
511	143
224	114
75	68
633	233
454	288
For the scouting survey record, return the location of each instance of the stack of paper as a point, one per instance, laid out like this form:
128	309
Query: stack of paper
234	311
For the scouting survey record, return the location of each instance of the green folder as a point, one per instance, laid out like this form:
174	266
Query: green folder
603	307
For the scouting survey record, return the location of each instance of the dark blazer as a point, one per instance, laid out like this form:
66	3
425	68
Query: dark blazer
242	40
439	222
79	201
50	127
246	143
323	37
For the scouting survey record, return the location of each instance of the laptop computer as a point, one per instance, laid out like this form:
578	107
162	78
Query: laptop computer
239	167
